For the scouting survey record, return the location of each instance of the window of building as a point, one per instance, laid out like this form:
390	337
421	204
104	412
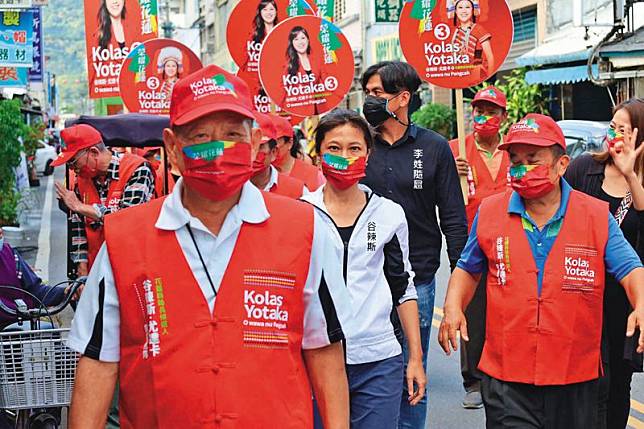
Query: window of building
525	24
339	9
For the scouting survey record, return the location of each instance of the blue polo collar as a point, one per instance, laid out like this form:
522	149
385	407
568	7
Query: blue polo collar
517	205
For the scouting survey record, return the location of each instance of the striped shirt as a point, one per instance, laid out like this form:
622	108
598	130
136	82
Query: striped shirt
138	190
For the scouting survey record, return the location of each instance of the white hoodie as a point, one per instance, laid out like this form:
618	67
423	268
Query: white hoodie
377	272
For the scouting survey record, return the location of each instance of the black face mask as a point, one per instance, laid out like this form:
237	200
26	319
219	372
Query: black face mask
376	110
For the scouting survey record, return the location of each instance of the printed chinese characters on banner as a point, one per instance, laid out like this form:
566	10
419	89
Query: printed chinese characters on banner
36	71
16	39
112	30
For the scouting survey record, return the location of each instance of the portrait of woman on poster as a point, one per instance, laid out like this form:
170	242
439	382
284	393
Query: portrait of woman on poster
111	24
169	68
265	20
300	61
474	39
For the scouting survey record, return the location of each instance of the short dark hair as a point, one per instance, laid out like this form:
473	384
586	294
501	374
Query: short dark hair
396	76
557	151
337	118
272	144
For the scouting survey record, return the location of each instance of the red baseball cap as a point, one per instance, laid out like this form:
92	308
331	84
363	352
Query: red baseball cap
492	95
265	123
282	125
537	130
208	90
75	139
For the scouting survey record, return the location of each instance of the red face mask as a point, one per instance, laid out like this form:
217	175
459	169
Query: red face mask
259	164
87	172
343	172
217	169
282	153
487	126
613	137
531	181
154	164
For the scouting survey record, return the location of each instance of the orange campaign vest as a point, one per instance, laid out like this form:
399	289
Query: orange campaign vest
241	367
552	339
127	166
288	186
484	184
308	174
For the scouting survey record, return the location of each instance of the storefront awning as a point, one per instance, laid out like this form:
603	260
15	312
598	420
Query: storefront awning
559	75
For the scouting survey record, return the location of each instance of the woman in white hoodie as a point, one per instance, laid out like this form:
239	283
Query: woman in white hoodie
371	232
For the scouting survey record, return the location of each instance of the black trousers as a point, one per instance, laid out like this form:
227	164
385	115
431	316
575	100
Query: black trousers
471	350
526	406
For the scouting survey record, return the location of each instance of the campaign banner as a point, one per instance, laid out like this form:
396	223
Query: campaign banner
261	102
388	11
456	43
112	29
306	65
150	71
251	21
12	77
36	70
16	39
15	4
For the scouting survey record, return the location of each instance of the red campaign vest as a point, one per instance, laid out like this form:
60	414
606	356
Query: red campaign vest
288	186
308	174
552	339
127	166
483	182
224	370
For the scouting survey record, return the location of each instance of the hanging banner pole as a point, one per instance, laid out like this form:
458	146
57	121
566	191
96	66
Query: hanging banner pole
460	127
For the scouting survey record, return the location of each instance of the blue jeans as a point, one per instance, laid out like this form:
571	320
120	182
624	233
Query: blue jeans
414	417
374	393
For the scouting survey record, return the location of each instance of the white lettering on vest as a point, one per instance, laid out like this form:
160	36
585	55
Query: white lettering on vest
264	306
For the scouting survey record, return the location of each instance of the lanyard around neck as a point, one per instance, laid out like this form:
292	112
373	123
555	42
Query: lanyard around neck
203	264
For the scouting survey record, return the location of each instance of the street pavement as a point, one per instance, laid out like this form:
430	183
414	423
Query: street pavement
445	388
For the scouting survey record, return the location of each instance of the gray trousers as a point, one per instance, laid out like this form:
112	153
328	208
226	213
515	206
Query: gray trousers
471	350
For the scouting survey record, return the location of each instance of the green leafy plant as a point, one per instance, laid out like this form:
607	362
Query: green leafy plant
523	98
11	128
437	117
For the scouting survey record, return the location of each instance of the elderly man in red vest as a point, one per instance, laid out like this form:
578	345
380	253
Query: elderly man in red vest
546	247
228	309
106	182
486	168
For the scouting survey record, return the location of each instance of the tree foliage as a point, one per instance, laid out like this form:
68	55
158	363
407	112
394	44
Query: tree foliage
11	128
437	117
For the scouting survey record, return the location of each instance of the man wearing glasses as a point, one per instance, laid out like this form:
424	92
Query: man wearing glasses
106	182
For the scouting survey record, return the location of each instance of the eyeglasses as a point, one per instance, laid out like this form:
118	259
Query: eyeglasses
74	161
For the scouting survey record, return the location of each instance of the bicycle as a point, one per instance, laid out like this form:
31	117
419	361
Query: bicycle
37	369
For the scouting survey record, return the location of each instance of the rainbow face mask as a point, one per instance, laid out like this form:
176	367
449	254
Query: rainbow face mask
613	137
217	169
487	126
343	172
531	181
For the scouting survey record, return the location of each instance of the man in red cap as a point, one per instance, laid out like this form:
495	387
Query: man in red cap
546	247
287	163
486	168
229	308
265	176
106	182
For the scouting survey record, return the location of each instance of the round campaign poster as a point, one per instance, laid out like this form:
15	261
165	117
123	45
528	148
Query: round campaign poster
306	65
149	73
251	21
261	102
456	43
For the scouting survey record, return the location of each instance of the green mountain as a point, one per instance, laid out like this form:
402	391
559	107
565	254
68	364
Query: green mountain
64	36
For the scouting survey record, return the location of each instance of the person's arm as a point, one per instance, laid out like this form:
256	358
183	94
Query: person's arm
623	263
624	160
328	313
49	295
139	189
460	291
400	278
451	207
93	390
328	377
489	55
78	251
74	204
